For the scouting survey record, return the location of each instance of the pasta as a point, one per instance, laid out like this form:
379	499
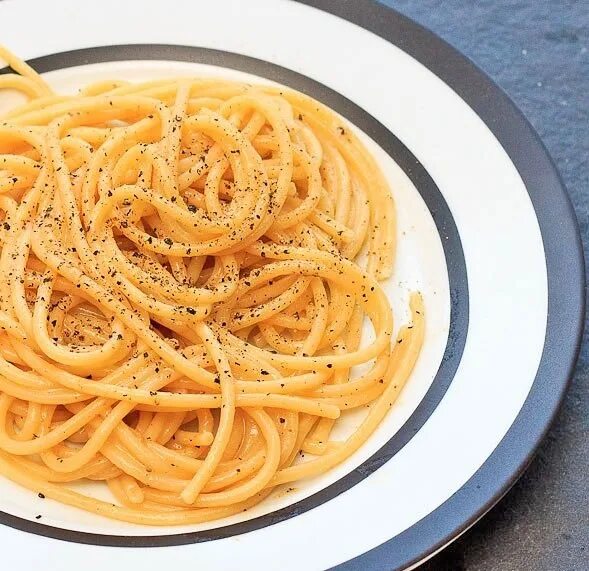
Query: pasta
180	305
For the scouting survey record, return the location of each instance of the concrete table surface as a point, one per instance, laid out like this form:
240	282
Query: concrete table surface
537	51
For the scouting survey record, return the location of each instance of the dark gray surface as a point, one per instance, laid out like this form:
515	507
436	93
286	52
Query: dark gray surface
538	52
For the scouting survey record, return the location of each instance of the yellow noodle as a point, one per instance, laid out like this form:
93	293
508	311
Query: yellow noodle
180	302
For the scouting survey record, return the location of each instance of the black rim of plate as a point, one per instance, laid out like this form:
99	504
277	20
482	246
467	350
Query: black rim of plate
566	285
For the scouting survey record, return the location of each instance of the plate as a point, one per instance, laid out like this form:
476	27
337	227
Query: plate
486	233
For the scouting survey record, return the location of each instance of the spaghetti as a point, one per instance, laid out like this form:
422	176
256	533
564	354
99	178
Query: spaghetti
180	309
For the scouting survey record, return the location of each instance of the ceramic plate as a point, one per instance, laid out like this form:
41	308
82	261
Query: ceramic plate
486	233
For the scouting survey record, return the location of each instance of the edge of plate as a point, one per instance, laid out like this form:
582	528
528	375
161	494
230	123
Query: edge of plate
566	284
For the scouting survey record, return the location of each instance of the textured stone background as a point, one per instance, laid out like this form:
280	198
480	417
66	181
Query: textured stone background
537	51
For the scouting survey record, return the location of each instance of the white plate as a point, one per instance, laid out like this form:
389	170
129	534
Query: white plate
477	198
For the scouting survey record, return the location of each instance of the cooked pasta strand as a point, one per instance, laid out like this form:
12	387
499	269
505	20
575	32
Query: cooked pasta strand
180	302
